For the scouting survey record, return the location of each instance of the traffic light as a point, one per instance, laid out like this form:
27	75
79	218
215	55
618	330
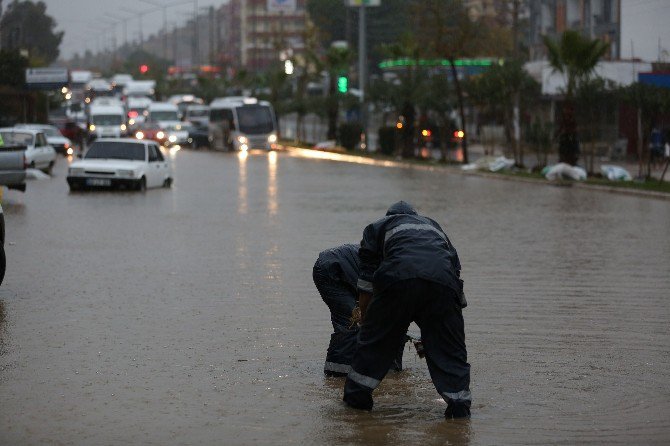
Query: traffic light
342	84
144	68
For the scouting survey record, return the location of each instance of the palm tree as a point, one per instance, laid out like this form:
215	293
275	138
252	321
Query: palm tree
576	57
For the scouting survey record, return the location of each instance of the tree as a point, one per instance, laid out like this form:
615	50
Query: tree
384	25
405	90
25	25
497	91
650	101
444	30
594	98
12	69
576	57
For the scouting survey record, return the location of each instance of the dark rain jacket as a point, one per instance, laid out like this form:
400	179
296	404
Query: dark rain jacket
341	264
404	245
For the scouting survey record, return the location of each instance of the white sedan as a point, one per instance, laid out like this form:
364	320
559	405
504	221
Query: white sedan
60	143
39	154
125	162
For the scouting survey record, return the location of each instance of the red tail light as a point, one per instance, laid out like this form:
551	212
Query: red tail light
133	114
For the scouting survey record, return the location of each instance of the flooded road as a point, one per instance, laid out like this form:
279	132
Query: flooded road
188	315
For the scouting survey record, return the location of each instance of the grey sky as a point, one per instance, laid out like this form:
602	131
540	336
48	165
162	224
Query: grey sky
644	23
85	21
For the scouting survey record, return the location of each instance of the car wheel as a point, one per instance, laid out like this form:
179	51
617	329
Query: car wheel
32	165
49	169
141	185
167	182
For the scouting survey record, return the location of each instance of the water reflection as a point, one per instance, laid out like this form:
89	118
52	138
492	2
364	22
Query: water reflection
242	203
272	183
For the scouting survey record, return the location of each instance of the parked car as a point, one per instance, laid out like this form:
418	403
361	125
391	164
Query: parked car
55	138
125	163
38	154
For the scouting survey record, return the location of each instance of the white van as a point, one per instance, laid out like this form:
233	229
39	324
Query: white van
163	113
241	123
108	120
197	114
140	88
137	108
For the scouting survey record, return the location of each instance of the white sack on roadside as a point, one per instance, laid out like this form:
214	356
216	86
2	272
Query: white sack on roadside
564	171
615	173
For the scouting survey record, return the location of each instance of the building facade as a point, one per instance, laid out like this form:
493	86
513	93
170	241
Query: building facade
594	18
256	35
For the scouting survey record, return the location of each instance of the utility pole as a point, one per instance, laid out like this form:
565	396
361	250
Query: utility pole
362	60
123	20
196	46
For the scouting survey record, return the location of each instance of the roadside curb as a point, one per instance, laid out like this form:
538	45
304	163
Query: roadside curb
349	157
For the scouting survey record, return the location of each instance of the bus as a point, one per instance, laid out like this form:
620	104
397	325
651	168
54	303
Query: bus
242	123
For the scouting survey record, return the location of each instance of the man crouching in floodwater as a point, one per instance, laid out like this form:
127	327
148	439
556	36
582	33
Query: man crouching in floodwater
335	275
410	272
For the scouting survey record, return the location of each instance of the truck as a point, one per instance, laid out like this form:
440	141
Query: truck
13	176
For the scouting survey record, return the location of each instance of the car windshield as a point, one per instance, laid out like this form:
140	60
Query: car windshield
255	119
197	113
50	131
164	116
107	119
116	150
16	139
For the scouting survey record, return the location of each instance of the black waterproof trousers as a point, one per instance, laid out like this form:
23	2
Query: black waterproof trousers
341	300
435	309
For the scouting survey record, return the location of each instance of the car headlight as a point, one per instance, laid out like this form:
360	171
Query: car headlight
123	127
125	173
172	138
131	122
70	151
92	127
242	139
73	171
160	135
272	138
139	135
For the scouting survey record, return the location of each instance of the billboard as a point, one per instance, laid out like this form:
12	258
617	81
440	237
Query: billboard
47	78
282	6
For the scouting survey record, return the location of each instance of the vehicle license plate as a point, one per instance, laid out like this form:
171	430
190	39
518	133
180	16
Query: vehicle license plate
98	182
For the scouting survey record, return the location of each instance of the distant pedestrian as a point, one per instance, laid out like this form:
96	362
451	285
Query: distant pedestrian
335	275
410	272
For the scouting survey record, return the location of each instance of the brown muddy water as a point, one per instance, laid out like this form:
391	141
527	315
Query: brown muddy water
189	316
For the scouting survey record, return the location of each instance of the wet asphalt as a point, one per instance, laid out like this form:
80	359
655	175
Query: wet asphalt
188	315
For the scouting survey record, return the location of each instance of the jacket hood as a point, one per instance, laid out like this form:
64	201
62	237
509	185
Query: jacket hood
401	207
